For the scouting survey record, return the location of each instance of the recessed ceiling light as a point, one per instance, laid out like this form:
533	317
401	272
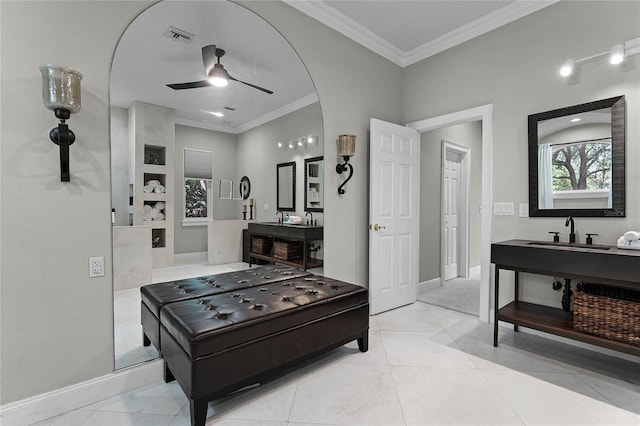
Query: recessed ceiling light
310	139
576	119
279	144
218	114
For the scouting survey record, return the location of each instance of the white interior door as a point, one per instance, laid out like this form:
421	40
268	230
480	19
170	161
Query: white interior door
394	215
451	185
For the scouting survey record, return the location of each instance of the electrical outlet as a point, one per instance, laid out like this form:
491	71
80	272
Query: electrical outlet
503	209
96	267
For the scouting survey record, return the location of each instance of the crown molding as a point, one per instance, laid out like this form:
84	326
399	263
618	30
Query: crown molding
489	22
322	12
280	112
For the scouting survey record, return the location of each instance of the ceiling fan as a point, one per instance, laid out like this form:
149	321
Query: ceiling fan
217	75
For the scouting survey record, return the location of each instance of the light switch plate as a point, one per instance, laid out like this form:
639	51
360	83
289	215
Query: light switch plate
503	209
524	209
265	207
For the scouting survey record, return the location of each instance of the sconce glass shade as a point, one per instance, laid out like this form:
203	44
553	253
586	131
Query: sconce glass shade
346	145
61	88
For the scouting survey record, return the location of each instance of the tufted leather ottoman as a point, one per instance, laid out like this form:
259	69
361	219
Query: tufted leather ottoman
216	344
155	296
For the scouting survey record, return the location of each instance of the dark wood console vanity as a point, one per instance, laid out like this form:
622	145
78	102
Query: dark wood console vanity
578	262
273	232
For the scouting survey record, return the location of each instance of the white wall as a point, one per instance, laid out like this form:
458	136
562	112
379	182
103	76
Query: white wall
120	164
515	67
469	135
56	323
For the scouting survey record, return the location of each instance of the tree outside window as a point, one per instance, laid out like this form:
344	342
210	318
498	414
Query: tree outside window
582	166
196	196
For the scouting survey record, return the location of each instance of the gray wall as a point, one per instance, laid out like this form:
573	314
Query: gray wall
515	68
46	259
258	156
193	239
469	135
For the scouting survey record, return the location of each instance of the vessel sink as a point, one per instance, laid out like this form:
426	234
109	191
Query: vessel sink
568	245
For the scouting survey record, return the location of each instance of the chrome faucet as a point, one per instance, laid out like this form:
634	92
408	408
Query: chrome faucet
311	221
572	235
281	218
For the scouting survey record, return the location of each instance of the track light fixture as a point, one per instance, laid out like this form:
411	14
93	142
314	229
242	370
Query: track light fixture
616	55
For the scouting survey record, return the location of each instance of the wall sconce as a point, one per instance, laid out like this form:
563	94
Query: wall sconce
61	94
346	149
616	55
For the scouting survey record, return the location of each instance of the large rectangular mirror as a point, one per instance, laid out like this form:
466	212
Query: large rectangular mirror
286	186
313	191
577	160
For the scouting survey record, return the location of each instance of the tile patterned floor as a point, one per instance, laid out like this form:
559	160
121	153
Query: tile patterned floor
425	366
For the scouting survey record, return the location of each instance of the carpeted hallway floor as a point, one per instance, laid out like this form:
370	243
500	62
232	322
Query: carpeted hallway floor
458	294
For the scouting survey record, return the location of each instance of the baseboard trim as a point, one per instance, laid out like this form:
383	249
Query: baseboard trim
59	401
186	258
433	281
475	270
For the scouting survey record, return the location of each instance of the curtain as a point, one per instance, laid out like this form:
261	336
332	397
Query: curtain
545	174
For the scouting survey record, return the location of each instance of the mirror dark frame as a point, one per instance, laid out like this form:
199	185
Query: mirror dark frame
279	205
618	135
307	161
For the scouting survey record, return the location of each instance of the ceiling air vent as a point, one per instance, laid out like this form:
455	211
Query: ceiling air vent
178	35
229	108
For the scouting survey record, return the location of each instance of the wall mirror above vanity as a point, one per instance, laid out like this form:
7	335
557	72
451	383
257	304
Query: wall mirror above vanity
286	186
313	191
577	160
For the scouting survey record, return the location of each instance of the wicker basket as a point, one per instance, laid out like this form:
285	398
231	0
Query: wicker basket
287	250
261	245
607	317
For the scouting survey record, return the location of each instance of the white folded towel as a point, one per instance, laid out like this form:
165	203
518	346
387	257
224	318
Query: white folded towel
159	216
159	205
631	236
146	216
159	189
153	183
147	208
623	243
147	189
154	213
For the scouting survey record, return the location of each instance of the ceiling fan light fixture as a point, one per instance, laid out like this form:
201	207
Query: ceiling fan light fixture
217	76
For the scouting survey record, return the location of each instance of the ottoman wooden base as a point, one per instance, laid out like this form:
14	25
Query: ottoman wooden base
218	344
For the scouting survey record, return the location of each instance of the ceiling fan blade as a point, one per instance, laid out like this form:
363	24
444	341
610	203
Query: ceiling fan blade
251	85
191	85
209	57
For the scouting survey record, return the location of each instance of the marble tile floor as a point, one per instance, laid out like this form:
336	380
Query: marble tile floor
126	311
425	366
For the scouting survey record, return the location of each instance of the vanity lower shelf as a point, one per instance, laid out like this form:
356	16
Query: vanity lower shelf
296	238
298	263
556	321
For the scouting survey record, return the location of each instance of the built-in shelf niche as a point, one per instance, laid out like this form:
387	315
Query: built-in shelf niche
156	212
158	238
155	155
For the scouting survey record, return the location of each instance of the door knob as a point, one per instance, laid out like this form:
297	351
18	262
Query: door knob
377	227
